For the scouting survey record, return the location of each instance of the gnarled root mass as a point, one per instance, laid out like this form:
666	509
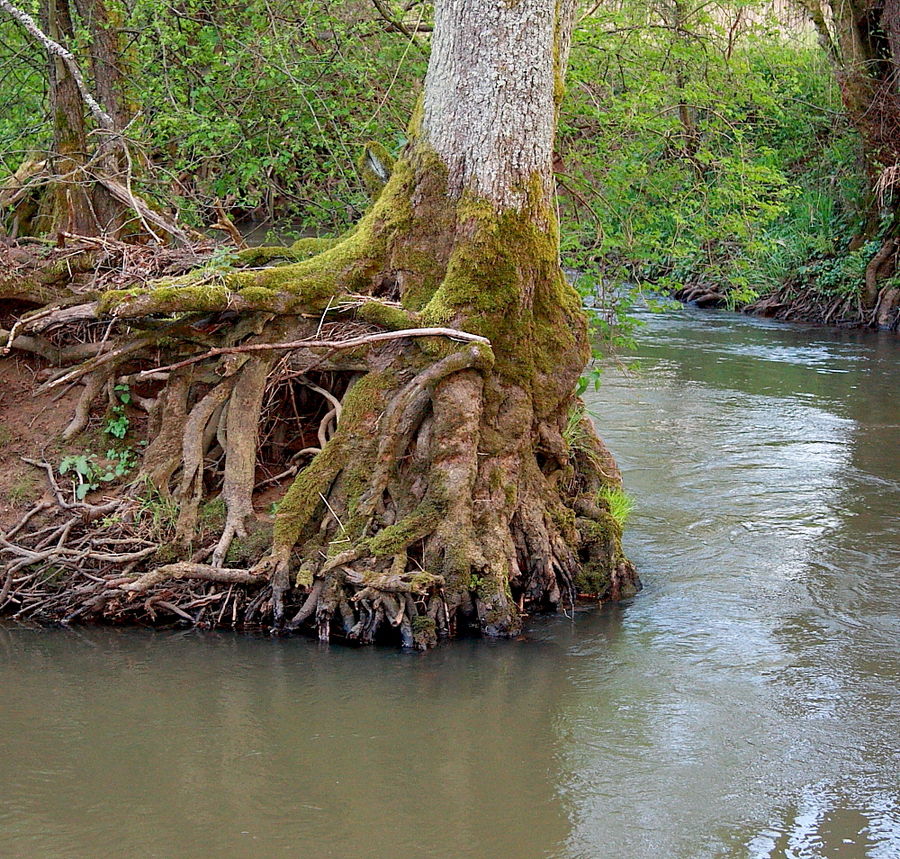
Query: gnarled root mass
320	457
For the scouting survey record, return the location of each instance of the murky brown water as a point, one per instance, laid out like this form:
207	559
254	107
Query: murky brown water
747	703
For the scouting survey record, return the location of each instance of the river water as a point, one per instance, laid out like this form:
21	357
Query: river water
746	703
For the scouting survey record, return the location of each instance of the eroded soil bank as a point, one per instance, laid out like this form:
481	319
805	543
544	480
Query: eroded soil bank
155	456
793	304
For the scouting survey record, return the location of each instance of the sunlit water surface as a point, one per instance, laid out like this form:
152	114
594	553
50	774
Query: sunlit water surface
746	703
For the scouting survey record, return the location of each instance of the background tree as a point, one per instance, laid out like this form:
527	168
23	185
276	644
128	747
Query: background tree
862	38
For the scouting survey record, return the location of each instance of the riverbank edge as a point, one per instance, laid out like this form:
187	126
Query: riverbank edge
786	305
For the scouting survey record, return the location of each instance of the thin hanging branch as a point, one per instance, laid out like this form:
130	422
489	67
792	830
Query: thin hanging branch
102	117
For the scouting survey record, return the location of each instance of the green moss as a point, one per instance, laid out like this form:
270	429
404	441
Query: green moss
396	538
24	489
375	165
593	579
503	282
457	568
422	581
305	494
495	479
421	623
259	295
169	553
386	316
211	515
172	296
605	530
350	264
599	551
305	575
424	632
309	246
302	249
366	399
362	405
564	518
246	551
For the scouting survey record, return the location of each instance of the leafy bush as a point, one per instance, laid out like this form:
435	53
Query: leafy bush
702	152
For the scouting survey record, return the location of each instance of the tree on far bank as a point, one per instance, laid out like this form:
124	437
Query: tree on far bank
862	38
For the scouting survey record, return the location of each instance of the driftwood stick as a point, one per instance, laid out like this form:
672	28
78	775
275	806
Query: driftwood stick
187	570
335	345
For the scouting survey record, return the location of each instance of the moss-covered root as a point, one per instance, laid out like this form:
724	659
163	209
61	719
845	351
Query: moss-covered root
323	269
242	428
461	525
302	249
446	504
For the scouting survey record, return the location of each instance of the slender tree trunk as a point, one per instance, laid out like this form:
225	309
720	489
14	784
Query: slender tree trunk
68	206
107	61
84	194
107	72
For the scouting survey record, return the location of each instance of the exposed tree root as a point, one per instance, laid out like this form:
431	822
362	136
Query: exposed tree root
424	486
876	305
703	295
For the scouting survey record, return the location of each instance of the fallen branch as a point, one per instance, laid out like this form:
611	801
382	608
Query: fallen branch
187	570
333	345
125	195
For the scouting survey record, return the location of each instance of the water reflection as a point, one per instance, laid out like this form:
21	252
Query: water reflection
745	704
769	521
179	745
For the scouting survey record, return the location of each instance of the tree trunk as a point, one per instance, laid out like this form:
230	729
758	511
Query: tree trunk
107	70
455	481
83	191
67	206
862	38
108	76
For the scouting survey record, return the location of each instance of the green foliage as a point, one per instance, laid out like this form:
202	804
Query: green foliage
701	143
158	513
87	471
117	423
574	433
263	105
266	104
221	260
702	150
618	502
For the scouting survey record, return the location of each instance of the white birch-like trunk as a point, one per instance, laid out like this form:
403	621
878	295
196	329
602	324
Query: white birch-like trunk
491	93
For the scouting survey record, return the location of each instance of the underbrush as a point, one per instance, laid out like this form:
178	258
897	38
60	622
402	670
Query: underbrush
704	164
